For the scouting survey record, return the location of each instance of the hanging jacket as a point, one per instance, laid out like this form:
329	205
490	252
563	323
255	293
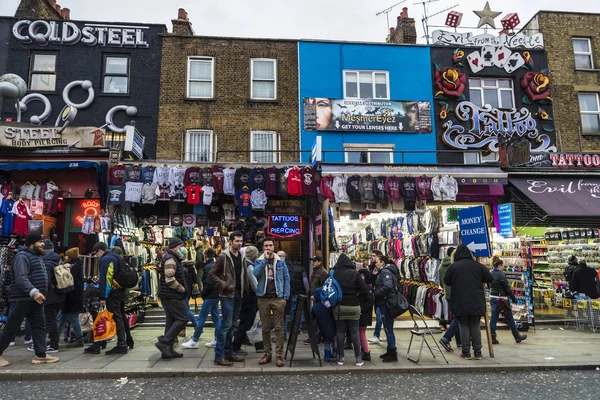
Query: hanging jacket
392	188
448	188
380	193
408	188
339	189
326	187
352	186
435	188
366	188
424	188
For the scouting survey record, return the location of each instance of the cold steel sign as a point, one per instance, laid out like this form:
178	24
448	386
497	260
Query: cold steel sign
284	226
69	33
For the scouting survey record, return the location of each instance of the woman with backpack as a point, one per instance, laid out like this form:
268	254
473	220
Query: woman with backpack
347	312
73	304
387	280
366	301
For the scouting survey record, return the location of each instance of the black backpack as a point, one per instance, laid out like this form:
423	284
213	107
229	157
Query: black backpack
127	276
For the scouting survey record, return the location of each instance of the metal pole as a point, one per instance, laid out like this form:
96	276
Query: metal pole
325	231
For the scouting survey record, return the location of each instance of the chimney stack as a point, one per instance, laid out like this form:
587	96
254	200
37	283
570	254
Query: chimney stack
182	25
52	3
405	32
66	13
57	7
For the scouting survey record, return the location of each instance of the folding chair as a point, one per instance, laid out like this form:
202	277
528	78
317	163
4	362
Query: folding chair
422	332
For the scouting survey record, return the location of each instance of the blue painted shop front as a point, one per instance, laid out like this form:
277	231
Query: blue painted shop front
395	121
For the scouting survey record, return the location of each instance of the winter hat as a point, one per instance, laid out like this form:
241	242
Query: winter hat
251	252
581	260
174	242
48	245
32	238
72	253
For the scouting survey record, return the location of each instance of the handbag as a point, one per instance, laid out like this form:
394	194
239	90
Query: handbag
104	326
86	321
396	303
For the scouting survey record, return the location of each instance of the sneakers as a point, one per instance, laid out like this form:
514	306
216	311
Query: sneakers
30	341
359	362
307	342
191	344
466	356
11	344
49	349
445	345
341	361
117	350
478	356
374	339
212	343
520	338
382	338
44	360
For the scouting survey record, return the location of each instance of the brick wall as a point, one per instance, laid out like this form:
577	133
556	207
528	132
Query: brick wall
37	9
558	30
231	115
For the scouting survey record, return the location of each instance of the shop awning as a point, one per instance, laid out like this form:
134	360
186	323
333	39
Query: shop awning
465	175
100	166
574	196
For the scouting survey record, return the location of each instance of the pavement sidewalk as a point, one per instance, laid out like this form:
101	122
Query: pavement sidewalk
553	348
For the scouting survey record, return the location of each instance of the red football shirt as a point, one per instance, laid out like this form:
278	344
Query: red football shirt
294	182
193	194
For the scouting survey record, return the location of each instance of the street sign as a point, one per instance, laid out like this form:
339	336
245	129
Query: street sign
474	231
505	219
316	153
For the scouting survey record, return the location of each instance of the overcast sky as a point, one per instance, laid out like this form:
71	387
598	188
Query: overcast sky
353	20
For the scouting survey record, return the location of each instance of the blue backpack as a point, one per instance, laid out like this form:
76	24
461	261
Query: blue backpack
331	292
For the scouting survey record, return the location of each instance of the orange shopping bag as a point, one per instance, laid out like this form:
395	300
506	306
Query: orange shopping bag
104	326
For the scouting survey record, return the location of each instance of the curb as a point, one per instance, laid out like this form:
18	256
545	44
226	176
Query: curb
65	374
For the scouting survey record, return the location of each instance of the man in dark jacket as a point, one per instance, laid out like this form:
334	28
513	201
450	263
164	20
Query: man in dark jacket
112	296
467	276
73	304
230	275
387	280
249	304
570	270
499	290
210	305
27	295
173	293
54	299
585	279
453	330
319	274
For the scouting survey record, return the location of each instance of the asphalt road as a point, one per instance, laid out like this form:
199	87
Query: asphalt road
488	386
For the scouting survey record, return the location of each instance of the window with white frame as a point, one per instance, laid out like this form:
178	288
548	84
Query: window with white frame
115	77
200	77
43	72
264	147
375	154
589	107
200	146
480	157
366	85
582	48
498	93
264	79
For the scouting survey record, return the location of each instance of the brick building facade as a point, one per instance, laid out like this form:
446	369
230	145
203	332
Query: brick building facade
213	103
576	84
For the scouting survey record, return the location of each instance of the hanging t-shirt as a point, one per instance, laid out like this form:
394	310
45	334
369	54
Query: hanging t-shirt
424	188
282	183
27	191
163	192
228	181
352	187
392	188
214	214
176	175
205	176
36	192
309	187
243	197
133	173
133	192
178	193
271	182
161	175
229	210
149	195
50	195
217	179
194	193
116	175
294	182
326	187
408	188
116	195
148	174
258	179
208	194
192	176
242	178
258	199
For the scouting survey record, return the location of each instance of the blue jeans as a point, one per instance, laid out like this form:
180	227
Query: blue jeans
73	319
498	305
190	313
209	306
452	331
230	309
378	322
388	326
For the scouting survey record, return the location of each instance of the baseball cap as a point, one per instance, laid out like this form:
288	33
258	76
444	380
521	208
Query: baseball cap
316	258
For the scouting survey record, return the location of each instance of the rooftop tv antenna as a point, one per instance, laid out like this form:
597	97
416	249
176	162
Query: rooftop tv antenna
426	17
387	12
